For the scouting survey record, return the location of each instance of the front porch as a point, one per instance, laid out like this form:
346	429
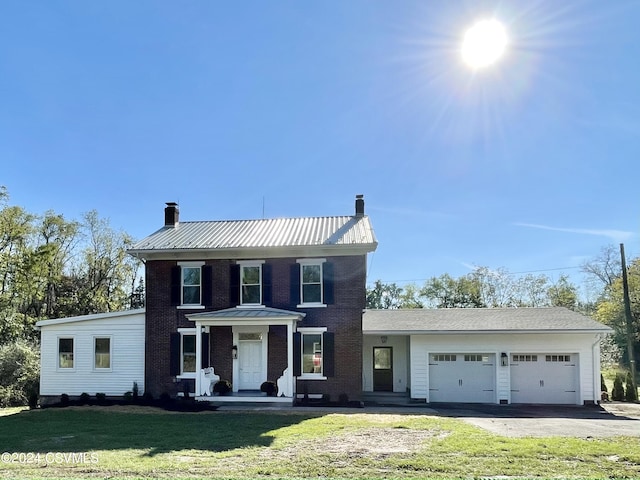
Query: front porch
245	396
247	347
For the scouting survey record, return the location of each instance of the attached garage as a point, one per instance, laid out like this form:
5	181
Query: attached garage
544	378
460	377
491	355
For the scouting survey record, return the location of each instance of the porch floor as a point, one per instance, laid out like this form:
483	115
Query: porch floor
246	396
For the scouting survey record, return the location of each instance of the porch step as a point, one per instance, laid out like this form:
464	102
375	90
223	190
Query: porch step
386	398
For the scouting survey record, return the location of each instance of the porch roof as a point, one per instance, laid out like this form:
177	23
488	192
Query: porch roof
246	316
478	320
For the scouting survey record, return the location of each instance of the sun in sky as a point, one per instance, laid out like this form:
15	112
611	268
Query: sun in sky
484	43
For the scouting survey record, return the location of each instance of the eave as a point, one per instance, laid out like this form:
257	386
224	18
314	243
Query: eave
253	252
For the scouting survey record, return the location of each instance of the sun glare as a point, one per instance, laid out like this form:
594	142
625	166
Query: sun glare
484	43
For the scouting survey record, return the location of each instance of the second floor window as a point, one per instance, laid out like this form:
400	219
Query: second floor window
251	284
311	276
191	283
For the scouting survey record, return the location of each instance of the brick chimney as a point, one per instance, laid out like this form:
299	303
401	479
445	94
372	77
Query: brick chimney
171	215
359	205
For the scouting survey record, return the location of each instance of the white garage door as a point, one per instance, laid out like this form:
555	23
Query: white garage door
544	378
462	377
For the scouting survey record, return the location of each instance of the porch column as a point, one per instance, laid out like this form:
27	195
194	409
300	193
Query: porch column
290	382
198	357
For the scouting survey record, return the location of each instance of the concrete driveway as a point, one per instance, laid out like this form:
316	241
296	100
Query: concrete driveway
608	420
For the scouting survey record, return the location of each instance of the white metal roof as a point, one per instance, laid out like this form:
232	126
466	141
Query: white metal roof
350	233
91	317
478	320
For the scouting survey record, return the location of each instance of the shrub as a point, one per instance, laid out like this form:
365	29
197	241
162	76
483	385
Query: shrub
64	399
128	396
165	398
135	392
147	398
85	398
270	388
617	393
222	387
603	385
101	398
631	392
19	373
33	400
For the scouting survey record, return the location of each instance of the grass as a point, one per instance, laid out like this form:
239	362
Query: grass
293	445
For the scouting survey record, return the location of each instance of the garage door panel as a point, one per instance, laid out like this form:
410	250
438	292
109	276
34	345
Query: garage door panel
462	378
544	378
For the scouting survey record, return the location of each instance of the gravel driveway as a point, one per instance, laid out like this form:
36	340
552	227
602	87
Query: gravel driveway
608	420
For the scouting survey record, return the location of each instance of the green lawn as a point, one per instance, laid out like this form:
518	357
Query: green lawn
291	445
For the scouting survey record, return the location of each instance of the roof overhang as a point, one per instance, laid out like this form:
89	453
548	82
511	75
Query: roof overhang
251	252
246	316
90	317
486	332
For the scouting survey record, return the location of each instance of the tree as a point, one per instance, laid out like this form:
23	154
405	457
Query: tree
19	372
610	309
631	392
106	275
391	296
448	292
563	294
617	392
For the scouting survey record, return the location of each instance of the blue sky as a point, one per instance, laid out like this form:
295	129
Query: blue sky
226	107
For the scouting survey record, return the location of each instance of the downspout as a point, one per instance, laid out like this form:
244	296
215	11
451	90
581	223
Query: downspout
597	395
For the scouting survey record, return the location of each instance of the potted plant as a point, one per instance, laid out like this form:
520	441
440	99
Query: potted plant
222	387
270	388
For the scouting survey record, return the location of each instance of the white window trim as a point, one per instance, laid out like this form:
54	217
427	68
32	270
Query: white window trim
99	369
75	360
191	306
311	261
311	331
183	332
251	263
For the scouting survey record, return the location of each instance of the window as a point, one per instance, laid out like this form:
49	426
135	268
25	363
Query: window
191	282
65	352
188	354
476	358
558	358
102	349
525	358
311	281
251	283
312	353
444	358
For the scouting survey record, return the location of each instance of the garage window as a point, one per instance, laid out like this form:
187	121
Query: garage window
525	358
444	358
476	358
558	358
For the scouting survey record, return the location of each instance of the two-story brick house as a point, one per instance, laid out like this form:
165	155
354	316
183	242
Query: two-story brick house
257	300
283	300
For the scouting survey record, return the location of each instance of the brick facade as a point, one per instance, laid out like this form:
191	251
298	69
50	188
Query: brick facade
343	317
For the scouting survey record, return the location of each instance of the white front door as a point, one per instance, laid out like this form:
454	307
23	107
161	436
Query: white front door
250	365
